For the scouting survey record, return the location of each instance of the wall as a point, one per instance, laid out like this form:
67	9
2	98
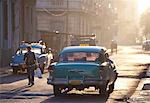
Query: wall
67	16
18	22
77	17
127	21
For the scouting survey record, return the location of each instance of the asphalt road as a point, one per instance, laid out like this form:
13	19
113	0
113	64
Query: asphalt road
131	64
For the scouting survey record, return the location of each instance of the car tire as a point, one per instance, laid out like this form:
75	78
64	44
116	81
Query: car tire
111	87
15	70
103	90
22	69
57	90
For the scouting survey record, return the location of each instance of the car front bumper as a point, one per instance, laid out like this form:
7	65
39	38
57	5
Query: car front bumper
22	65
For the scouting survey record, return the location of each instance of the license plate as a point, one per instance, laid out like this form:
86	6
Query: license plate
75	82
16	64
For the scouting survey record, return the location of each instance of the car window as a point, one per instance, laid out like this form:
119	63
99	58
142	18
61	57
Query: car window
24	50
80	56
18	52
36	50
21	51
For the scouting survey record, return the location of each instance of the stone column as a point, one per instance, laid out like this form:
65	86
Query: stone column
9	24
1	31
1	24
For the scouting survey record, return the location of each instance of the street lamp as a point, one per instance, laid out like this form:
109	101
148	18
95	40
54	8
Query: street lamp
58	40
57	32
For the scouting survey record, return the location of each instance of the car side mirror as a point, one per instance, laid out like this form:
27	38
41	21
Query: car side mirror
105	64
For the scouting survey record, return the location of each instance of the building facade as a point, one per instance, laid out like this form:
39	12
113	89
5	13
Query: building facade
65	16
17	23
106	26
76	17
62	18
127	21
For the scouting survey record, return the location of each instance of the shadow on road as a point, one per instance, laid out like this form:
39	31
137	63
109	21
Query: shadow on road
74	98
12	93
141	75
12	78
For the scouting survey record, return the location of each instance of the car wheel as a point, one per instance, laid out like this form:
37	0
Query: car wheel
111	87
15	70
57	90
23	69
103	90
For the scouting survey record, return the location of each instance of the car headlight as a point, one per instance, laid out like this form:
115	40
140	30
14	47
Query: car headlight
11	64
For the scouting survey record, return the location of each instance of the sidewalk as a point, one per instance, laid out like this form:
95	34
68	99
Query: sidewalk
5	70
142	94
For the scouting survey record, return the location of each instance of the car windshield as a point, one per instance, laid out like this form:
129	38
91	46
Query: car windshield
80	56
24	50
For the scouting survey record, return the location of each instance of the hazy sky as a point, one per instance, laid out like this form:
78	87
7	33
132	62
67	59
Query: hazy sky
143	5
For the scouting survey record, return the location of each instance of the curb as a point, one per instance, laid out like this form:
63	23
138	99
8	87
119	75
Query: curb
142	92
5	70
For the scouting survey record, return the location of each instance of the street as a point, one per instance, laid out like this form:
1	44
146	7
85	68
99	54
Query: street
132	64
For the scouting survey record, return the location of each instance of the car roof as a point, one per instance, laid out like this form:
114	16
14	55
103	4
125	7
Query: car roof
83	49
34	45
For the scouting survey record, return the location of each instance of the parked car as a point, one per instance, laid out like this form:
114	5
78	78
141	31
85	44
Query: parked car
146	45
81	67
43	57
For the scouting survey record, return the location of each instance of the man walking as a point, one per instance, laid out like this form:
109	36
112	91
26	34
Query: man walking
30	61
113	46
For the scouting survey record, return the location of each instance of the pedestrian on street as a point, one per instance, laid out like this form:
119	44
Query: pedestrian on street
113	46
30	62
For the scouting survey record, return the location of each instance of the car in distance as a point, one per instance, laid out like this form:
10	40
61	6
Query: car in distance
82	67
43	59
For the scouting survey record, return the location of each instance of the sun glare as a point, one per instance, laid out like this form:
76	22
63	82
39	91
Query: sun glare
143	5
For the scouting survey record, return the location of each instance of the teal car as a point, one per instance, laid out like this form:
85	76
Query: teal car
82	67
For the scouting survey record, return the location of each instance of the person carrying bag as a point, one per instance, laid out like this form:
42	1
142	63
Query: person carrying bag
30	62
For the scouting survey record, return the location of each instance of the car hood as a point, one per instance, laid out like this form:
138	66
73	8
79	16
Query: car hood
18	58
40	55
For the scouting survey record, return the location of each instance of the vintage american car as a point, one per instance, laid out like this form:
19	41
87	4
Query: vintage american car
43	57
82	67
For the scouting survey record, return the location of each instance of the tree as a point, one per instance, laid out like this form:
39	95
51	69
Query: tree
145	23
